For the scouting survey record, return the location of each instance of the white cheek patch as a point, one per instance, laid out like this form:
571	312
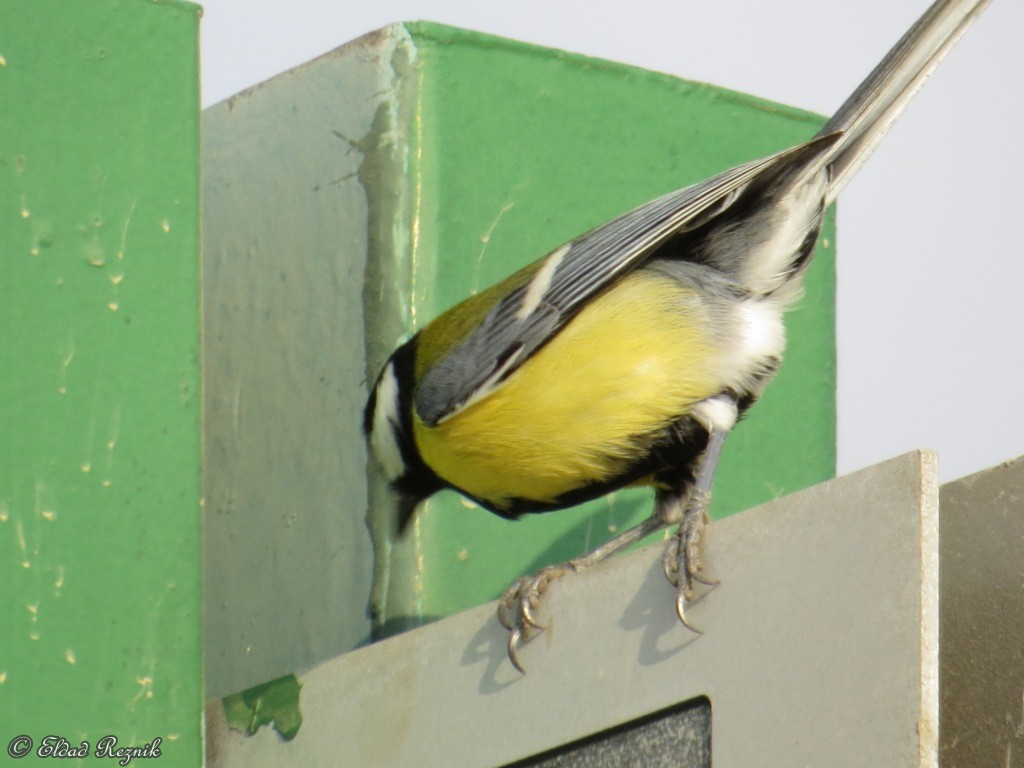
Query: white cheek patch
541	282
385	416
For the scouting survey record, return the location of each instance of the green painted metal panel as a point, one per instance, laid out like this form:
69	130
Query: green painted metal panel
514	150
99	396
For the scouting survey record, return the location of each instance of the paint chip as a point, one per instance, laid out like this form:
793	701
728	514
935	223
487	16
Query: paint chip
463	555
113	306
3	678
147	687
48	515
69	656
20	533
467	503
165	225
3	63
87	467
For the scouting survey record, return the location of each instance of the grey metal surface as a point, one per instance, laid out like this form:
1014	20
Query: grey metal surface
819	649
286	228
982	619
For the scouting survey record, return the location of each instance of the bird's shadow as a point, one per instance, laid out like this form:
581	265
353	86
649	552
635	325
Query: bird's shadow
652	612
490	645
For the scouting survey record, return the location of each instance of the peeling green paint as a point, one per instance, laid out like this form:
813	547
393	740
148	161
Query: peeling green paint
274	703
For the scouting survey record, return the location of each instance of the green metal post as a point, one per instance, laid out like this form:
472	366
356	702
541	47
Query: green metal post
99	375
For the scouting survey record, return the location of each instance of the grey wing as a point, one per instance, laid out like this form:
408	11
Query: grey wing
519	324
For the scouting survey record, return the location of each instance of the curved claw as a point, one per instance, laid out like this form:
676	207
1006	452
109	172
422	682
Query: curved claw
707	581
502	619
517	608
526	611
507	605
513	642
670	563
681	613
516	614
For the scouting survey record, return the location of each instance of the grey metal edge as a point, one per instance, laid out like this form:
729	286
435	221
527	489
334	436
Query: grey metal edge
820	648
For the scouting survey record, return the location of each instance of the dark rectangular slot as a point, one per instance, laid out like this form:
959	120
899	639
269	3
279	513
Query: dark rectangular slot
676	737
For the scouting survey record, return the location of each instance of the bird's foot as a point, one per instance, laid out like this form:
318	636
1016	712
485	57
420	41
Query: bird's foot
682	559
517	607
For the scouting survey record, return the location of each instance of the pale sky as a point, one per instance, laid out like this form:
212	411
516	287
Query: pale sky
931	275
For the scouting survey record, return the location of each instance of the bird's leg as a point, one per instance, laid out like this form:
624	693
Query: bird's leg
518	605
682	558
686	505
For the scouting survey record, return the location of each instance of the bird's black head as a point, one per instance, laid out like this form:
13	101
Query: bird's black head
387	424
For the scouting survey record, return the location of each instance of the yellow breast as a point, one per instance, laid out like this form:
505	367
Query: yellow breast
577	412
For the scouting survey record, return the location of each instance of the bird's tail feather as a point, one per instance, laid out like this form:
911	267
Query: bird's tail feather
866	116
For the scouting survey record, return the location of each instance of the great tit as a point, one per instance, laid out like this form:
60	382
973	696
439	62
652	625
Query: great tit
626	355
